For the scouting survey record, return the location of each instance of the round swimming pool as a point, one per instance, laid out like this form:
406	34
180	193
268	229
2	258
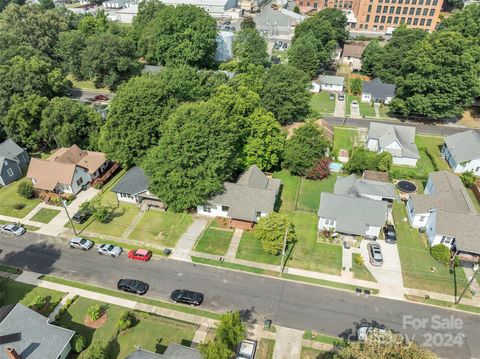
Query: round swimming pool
406	186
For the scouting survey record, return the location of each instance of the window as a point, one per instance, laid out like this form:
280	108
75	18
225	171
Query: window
435	2
419	10
369	8
79	181
402	20
329	222
422	218
225	208
10	172
377	18
399	10
379	9
429	22
361	26
422	22
414	2
415	21
259	214
477	169
367	18
425	12
382	21
381	28
409	20
420	2
412	10
392	9
405	10
428	2
446	240
385	9
395	20
432	12
366	27
389	20
207	209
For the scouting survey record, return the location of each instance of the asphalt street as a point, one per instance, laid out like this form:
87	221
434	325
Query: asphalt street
289	304
422	128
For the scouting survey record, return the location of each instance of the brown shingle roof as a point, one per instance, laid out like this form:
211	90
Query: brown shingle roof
89	160
354	50
375	176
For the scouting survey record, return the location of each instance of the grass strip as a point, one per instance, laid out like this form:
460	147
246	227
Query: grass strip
443	303
26	226
144	300
241	267
126	246
12	270
322	338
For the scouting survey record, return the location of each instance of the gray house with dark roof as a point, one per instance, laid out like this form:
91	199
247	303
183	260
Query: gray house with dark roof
13	160
30	335
364	188
133	188
462	152
173	351
244	202
377	91
399	141
351	215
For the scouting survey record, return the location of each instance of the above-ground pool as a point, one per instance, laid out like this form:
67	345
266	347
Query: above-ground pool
407	186
335	167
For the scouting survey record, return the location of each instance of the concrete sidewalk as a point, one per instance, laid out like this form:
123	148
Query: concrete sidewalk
187	241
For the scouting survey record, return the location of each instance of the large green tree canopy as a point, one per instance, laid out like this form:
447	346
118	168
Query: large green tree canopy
466	22
304	55
184	34
250	47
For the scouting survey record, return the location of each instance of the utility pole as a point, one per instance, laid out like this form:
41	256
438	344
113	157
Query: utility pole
284	246
68	215
468	285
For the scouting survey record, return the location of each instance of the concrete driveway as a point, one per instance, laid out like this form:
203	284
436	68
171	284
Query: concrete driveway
355	111
339	107
389	274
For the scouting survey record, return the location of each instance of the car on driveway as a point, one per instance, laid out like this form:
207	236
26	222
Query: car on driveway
354	104
186	297
247	349
331	96
13	229
365	331
81	243
101	98
375	254
109	250
341	97
81	216
390	234
140	254
132	286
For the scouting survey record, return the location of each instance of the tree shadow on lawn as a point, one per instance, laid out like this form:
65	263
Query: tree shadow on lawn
351	334
66	321
46	256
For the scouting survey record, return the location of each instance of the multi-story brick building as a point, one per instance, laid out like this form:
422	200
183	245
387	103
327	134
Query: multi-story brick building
382	15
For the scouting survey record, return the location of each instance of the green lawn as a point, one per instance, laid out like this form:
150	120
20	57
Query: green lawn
309	254
25	294
309	195
161	227
9	198
360	271
87	85
433	145
322	104
45	215
290	188
265	349
385	112
366	110
310	353
417	261
151	332
344	138
251	249
214	240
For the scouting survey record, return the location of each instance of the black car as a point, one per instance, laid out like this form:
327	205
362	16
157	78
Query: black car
81	216
390	234
187	297
132	286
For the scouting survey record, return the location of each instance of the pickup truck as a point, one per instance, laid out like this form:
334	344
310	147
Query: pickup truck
246	349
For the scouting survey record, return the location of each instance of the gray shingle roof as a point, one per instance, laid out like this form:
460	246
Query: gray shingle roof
464	146
9	149
38	339
133	182
254	192
386	134
352	214
463	226
331	80
352	185
144	354
378	89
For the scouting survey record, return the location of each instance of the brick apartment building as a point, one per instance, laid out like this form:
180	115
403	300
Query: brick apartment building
382	15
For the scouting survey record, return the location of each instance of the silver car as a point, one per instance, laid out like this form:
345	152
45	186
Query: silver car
109	250
375	254
81	243
365	331
13	229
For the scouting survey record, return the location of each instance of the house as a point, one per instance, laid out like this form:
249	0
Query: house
27	334
376	176
351	215
399	141
133	188
173	351
377	91
330	83
244	202
462	152
364	188
13	160
352	55
67	170
446	213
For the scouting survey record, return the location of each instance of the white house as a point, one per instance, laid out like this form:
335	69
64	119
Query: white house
330	83
377	91
399	141
67	170
462	152
351	215
246	201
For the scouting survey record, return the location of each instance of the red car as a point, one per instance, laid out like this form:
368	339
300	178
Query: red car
140	254
101	98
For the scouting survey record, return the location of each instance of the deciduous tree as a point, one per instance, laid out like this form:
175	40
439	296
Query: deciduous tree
271	231
230	330
356	86
250	47
303	55
96	351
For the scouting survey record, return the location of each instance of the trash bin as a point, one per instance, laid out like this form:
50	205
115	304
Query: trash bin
266	324
167	251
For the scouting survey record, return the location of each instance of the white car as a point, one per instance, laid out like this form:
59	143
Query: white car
109	250
13	229
364	332
82	243
354	104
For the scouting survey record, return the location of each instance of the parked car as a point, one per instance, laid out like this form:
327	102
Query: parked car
186	297
81	216
13	229
247	349
284	46
101	98
276	46
232	28
81	243
354	104
365	331
331	96
109	250
341	97
132	286
375	254
390	234
227	28
140	254
228	22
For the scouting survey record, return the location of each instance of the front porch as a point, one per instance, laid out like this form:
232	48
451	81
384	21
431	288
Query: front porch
104	176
